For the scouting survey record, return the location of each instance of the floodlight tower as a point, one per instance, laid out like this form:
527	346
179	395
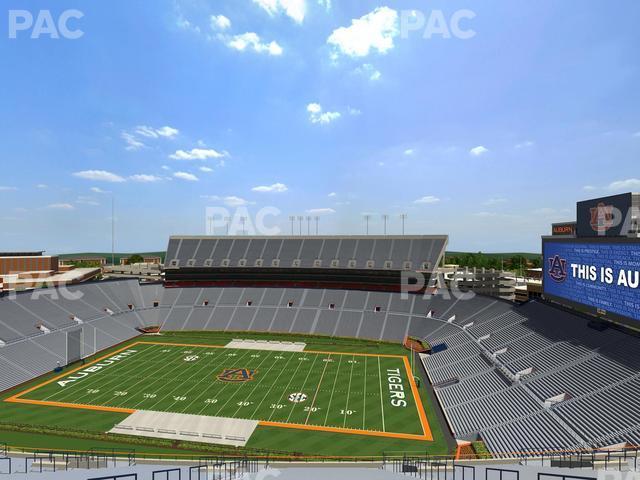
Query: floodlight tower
403	217
292	219
385	218
366	219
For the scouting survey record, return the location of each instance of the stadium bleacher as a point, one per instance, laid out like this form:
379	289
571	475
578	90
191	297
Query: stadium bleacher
524	378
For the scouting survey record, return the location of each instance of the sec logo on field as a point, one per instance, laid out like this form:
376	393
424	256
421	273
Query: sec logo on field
297	397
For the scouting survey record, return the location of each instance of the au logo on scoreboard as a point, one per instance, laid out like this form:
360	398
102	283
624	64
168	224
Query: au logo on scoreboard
236	375
558	268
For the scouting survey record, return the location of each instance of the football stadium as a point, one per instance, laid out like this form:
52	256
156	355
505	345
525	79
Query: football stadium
320	239
334	347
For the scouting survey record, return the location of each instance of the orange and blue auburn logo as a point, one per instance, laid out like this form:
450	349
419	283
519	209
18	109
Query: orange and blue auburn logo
236	375
558	269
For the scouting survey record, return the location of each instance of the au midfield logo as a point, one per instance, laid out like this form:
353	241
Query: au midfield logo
558	268
236	375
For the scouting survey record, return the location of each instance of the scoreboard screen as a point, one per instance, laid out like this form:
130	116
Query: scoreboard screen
601	277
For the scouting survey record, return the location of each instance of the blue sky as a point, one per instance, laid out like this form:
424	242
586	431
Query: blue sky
316	108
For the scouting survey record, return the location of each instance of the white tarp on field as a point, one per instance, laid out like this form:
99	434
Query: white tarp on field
188	428
266	345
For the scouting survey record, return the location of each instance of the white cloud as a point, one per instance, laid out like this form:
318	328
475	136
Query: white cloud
426	200
275	188
409	151
150	132
372	32
252	41
132	142
369	71
87	201
321	211
317	115
479	150
295	9
354	111
99	176
211	198
165	167
325	3
495	201
97	190
525	144
332	195
189	177
8	189
220	22
197	154
628	184
42	186
233	201
206	169
589	188
143	178
60	206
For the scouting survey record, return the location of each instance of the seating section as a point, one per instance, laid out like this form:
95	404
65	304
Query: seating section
520	378
366	252
535	378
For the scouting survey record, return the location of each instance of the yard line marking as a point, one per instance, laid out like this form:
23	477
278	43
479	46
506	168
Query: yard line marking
381	402
346	407
209	363
259	382
303	384
335	381
426	436
426	429
16	398
205	391
315	395
177	366
240	386
95	380
112	378
191	376
364	396
288	384
273	384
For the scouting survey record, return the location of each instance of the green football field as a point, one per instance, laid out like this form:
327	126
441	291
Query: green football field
353	393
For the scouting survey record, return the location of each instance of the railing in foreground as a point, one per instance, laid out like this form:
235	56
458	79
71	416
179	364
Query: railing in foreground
605	458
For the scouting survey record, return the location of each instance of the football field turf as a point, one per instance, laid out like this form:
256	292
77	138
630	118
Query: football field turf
351	393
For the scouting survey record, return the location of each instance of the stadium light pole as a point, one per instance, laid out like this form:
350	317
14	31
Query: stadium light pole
317	221
403	217
113	230
292	219
227	220
308	225
385	218
242	221
210	225
300	219
366	219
